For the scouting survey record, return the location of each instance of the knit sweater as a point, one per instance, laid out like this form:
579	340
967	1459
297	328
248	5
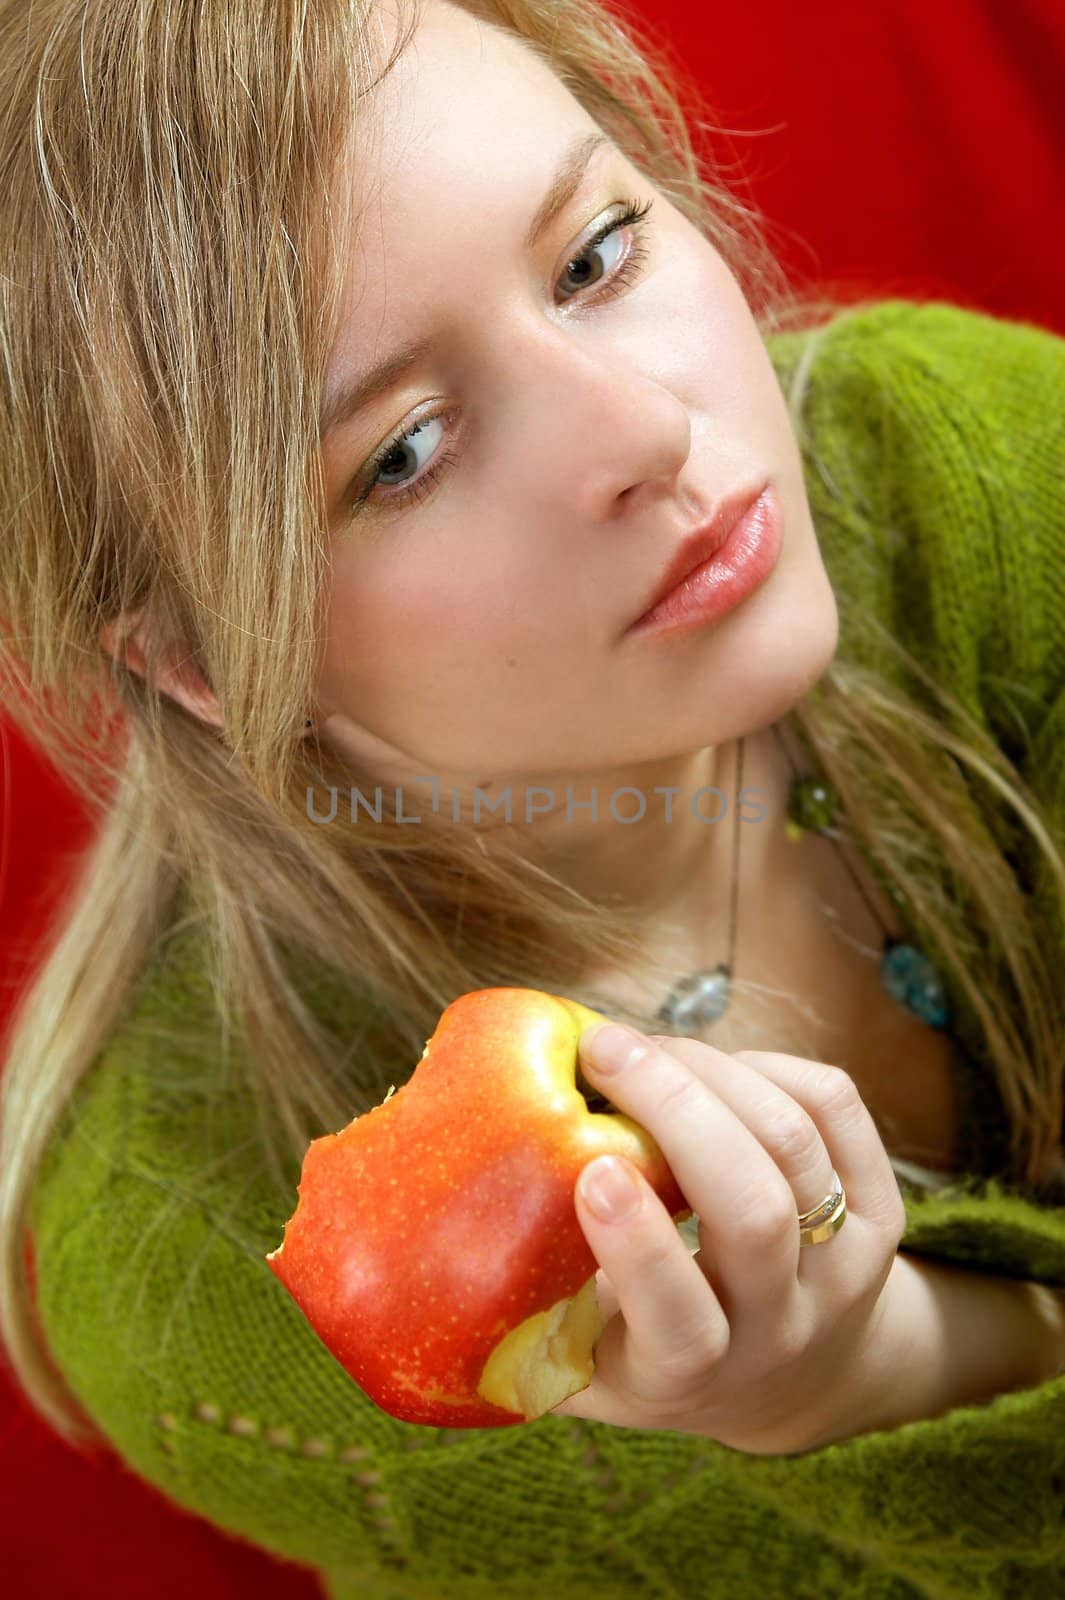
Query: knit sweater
151	1219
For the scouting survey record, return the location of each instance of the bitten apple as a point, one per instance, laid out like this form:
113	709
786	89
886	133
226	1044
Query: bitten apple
435	1247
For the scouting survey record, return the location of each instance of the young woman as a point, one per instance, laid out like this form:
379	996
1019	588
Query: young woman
375	381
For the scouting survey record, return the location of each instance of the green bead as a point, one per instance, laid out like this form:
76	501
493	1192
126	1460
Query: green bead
812	805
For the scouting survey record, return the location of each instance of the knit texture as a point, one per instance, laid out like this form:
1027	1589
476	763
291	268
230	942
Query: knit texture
151	1215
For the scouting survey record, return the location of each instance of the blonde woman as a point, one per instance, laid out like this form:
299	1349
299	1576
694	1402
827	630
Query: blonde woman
375	379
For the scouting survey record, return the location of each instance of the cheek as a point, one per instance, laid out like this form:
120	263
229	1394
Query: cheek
404	612
374	598
714	326
712	333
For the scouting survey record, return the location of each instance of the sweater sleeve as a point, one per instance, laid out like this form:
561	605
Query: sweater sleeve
167	1325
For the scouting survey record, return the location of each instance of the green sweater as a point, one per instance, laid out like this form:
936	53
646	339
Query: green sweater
151	1218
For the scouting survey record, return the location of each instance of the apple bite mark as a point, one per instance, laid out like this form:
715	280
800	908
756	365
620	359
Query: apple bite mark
547	1357
436	1248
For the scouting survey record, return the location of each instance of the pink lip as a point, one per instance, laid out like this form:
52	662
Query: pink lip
718	565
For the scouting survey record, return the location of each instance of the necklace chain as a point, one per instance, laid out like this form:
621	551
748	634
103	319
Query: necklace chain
907	973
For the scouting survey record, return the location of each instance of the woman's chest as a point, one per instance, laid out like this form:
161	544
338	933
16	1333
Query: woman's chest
808	933
831	1006
807	983
902	1069
823	955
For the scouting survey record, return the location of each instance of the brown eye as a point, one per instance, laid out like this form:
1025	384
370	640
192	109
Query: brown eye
633	215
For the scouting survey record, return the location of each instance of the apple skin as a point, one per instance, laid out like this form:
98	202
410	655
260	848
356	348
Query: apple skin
435	1247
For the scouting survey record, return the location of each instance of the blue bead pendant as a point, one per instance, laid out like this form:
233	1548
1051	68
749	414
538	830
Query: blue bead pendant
910	978
907	974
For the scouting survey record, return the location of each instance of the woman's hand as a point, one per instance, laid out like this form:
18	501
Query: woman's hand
755	1341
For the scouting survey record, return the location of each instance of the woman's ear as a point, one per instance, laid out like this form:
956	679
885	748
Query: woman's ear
181	679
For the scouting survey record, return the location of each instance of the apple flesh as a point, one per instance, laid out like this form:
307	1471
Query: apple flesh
435	1247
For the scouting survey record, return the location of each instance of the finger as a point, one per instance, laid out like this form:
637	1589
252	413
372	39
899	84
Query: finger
838	1126
777	1105
673	1323
720	1165
847	1130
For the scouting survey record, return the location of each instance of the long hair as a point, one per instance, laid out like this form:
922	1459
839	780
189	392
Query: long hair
170	291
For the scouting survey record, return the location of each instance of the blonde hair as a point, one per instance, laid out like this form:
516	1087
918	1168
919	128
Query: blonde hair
170	290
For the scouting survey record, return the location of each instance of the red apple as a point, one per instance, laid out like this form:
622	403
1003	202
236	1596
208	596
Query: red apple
435	1247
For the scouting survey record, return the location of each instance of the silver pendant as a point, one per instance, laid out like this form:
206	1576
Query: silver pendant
700	997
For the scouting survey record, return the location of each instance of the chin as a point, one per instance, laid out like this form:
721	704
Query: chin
785	639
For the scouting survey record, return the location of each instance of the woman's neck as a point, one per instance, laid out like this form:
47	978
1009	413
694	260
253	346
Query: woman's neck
687	927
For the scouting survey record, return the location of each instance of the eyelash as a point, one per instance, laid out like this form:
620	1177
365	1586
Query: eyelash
633	216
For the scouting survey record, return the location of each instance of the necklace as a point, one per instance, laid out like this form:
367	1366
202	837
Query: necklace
906	972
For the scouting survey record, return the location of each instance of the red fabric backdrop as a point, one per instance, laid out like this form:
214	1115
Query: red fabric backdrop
900	149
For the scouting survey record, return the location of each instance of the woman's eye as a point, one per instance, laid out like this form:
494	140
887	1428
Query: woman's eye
387	467
392	462
633	215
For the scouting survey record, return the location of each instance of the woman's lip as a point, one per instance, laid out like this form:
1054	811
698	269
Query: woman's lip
698	546
737	567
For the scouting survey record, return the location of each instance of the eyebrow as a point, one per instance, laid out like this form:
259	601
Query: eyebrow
567	181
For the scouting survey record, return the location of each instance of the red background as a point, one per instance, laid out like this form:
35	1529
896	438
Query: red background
898	149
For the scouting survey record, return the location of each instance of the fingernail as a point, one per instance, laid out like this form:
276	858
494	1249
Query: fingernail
610	1189
609	1045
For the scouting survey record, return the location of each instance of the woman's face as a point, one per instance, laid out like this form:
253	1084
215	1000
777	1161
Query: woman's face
576	419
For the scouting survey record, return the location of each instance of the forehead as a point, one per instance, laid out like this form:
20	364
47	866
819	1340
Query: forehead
464	97
452	151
